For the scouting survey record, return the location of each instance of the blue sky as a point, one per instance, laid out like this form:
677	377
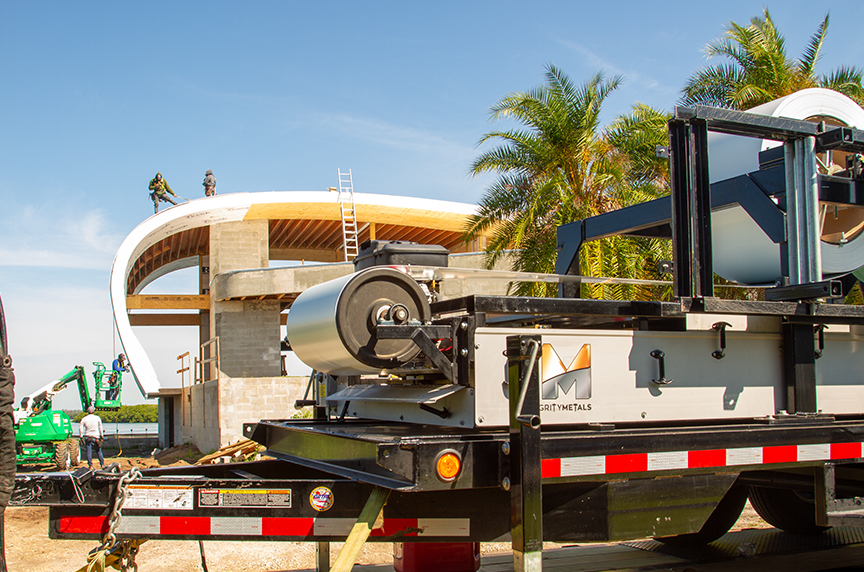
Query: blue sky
96	97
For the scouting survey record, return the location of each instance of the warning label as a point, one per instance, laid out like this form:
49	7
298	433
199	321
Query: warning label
240	498
158	497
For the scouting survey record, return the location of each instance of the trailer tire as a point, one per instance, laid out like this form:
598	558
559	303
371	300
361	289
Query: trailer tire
725	515
788	510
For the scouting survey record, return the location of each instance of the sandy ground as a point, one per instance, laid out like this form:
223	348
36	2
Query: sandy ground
28	548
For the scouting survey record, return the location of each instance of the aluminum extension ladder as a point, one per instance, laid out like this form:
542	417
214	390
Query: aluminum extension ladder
350	243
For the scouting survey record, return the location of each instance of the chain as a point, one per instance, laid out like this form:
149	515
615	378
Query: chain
129	548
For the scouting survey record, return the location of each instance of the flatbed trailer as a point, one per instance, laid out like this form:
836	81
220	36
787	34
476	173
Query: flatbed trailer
560	419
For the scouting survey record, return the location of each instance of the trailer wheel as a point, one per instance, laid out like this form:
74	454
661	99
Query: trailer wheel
61	455
725	514
788	510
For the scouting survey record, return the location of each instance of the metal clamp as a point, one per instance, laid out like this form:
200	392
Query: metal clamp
819	329
661	358
721	327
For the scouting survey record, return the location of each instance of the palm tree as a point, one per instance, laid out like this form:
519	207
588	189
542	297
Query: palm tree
557	168
760	70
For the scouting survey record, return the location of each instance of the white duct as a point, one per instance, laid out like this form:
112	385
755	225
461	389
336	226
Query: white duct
742	251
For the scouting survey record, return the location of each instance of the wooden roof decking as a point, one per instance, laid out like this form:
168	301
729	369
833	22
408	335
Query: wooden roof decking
306	238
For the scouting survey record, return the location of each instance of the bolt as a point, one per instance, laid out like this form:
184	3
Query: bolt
505	447
481	419
464	325
505	483
644	415
463	352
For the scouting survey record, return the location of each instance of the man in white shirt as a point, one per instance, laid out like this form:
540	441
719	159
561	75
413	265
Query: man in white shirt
91	431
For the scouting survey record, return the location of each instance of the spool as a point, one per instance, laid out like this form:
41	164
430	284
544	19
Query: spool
743	253
331	326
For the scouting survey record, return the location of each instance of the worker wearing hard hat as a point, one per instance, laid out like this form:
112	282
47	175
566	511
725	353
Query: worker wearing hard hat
159	190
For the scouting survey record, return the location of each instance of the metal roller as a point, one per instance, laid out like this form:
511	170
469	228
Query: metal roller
332	326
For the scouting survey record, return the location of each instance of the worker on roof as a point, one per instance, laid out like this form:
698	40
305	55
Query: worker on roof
159	190
209	183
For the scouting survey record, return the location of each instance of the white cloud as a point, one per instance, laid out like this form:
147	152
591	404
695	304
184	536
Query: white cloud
594	60
391	135
58	236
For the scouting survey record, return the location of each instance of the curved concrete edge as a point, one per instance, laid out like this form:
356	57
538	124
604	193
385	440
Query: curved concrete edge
204	212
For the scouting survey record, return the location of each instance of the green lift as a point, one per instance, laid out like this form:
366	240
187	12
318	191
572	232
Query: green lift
44	434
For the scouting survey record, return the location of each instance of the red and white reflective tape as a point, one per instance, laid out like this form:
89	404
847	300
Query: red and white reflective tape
676	460
262	526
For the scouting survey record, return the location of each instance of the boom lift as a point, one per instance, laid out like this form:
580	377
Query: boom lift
486	418
44	434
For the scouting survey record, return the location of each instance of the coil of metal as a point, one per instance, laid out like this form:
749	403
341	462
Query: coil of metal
742	252
331	327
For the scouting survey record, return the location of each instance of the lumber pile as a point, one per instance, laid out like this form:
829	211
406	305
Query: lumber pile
237	451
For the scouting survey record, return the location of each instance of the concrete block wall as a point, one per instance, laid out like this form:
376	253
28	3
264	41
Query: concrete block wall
239	245
246	400
221	407
249	338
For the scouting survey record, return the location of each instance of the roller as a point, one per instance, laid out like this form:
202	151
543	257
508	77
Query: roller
742	252
331	326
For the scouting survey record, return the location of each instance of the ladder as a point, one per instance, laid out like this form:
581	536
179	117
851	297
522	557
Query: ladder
349	219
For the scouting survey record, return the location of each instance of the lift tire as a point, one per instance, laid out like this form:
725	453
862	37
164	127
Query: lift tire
61	455
788	510
725	515
74	449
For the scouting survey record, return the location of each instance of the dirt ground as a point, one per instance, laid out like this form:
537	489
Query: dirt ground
28	548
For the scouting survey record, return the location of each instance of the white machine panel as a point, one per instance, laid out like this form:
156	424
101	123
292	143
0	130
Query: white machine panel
611	382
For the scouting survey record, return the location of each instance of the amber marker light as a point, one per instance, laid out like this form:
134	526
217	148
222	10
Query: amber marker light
448	465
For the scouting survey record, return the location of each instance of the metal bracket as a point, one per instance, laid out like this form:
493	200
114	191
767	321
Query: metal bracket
721	327
422	336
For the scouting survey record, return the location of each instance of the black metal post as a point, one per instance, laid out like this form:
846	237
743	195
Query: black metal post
703	264
682	234
526	497
570	238
799	368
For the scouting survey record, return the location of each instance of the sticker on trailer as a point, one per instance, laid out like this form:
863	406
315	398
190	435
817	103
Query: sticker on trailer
321	499
245	498
142	497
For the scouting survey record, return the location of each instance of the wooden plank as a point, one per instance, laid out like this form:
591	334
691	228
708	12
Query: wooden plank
165	319
361	530
168	302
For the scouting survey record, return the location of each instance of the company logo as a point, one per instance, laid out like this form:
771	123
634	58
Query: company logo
573	380
321	499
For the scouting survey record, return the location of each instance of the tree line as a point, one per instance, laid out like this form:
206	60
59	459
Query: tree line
145	413
559	165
